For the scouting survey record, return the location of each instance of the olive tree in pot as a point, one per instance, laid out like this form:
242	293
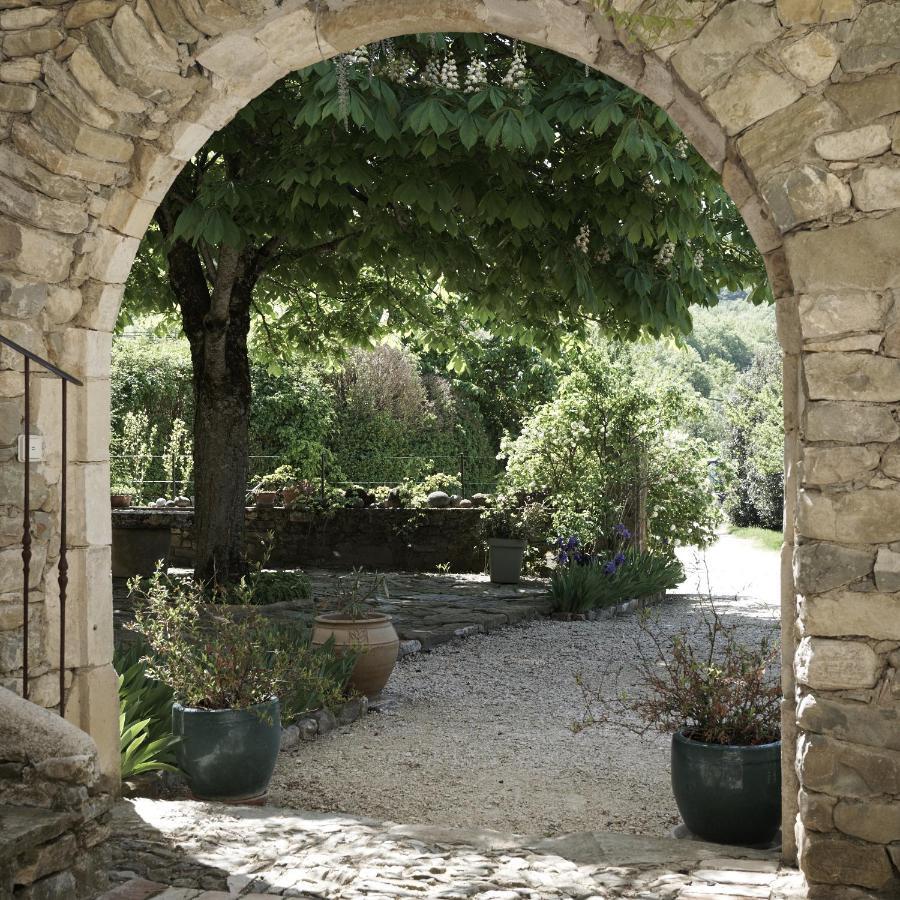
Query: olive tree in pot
227	667
720	699
353	623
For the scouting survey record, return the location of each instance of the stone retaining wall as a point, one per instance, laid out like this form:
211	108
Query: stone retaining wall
389	540
54	807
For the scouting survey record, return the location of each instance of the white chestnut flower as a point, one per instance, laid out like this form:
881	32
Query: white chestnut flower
583	239
665	254
476	75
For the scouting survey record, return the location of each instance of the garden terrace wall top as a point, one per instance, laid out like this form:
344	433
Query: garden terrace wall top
794	102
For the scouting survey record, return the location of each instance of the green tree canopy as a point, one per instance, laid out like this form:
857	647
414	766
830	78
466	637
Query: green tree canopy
410	185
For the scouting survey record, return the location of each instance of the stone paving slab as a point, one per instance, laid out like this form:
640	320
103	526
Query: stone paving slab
428	609
201	851
22	828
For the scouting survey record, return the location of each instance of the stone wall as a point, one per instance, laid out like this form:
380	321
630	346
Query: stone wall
54	806
795	102
390	540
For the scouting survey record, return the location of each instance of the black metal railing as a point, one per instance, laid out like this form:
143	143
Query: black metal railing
63	567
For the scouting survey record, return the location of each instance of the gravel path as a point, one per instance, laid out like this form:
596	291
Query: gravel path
733	566
476	734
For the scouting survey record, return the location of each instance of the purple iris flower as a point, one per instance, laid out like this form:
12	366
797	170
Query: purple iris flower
609	568
572	543
619	559
563	558
622	532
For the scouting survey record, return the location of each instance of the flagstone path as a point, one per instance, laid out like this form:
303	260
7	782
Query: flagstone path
195	851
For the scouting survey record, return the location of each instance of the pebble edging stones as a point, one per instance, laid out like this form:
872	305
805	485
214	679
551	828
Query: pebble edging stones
796	104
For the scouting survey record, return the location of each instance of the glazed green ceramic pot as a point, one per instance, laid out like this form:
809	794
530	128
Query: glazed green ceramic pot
728	795
228	754
506	560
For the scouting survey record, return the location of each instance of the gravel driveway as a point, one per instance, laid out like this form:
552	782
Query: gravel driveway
477	734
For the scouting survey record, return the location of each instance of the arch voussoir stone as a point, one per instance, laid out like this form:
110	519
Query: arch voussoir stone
797	104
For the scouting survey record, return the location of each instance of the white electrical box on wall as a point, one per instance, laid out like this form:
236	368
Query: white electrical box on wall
35	447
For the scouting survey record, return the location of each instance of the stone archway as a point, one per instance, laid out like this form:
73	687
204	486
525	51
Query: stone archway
102	101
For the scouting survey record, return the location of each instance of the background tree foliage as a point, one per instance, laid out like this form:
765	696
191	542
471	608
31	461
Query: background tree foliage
755	445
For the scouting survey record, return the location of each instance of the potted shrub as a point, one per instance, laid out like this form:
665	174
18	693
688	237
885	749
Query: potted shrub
263	495
284	483
226	670
121	495
503	525
720	699
353	624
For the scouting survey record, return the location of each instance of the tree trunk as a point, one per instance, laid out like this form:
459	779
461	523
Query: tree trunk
217	324
221	446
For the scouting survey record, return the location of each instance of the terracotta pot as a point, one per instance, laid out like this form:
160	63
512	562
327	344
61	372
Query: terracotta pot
120	501
375	639
265	498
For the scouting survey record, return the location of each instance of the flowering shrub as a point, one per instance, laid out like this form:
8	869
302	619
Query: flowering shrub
583	581
609	437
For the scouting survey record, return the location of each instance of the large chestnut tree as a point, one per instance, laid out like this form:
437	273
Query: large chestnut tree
409	185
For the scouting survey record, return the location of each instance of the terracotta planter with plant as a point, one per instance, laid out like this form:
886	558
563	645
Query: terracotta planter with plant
284	484
355	625
120	496
720	699
265	499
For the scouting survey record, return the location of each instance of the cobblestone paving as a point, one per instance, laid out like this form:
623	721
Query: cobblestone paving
189	851
428	609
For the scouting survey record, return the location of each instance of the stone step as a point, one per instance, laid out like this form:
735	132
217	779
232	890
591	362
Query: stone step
25	828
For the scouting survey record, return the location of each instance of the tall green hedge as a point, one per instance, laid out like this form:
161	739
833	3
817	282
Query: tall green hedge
378	418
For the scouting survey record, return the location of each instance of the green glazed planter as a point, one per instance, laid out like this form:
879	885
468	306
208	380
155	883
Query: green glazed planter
228	754
725	794
506	560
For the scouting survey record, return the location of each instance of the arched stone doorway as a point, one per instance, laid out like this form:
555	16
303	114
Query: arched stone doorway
101	102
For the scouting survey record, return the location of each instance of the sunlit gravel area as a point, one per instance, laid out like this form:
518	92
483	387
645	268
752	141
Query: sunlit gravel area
478	734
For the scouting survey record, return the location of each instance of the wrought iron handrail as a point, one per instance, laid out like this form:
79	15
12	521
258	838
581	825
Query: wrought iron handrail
63	566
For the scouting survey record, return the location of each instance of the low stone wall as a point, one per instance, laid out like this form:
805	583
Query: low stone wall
54	806
396	540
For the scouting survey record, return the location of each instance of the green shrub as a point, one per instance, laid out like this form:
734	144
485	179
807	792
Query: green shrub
260	587
215	657
145	716
755	446
611	433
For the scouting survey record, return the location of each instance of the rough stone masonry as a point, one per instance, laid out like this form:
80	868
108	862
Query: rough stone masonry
795	102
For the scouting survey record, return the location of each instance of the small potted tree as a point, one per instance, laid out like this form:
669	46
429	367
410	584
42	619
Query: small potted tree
503	524
720	699
352	622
